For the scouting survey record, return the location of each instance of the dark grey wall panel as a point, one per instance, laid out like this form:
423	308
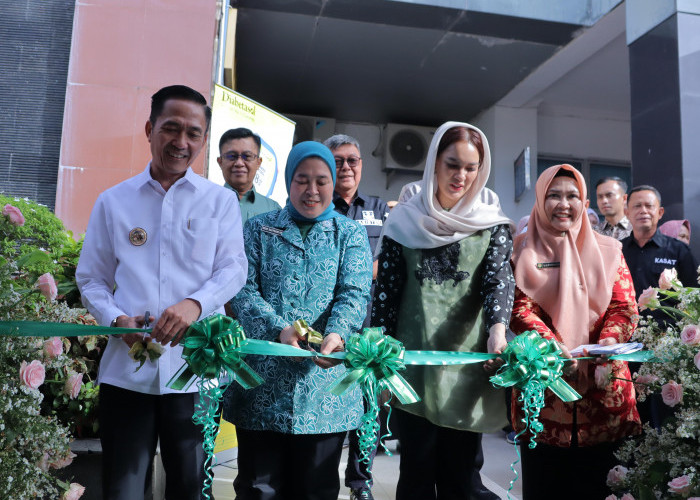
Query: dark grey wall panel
35	39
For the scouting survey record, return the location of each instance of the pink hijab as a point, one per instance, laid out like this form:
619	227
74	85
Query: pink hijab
588	264
672	228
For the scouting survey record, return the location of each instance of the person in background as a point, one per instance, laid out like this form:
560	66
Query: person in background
611	195
166	241
679	229
647	251
561	265
593	217
370	212
445	283
306	261
239	150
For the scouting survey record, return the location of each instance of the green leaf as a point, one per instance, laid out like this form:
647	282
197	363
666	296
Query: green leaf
33	258
644	492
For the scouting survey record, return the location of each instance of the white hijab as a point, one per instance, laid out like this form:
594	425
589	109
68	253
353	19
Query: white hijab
421	222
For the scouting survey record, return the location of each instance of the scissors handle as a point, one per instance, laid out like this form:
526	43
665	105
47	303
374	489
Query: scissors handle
146	322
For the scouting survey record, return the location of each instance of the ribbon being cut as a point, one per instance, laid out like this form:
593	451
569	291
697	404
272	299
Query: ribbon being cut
214	349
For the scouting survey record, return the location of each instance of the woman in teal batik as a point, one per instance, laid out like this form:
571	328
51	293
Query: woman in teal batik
307	262
445	284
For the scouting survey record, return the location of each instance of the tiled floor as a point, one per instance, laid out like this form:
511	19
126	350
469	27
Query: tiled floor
496	473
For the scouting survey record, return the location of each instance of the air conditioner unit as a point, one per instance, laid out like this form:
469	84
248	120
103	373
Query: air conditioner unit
406	147
312	128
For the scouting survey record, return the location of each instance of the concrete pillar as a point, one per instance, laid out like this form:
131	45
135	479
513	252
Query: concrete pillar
664	53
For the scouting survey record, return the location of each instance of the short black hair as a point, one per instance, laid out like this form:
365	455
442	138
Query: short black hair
645	187
182	92
239	133
620	182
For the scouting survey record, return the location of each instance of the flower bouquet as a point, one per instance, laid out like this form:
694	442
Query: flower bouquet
46	385
663	463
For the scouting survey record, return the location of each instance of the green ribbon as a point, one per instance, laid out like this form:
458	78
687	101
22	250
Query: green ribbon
217	345
373	361
211	347
307	333
529	358
532	365
41	329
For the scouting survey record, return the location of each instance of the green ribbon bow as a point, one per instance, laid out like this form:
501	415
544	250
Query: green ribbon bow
533	364
373	360
307	333
210	347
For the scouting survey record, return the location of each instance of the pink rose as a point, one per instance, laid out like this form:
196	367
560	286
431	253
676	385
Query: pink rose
14	214
697	360
672	393
611	497
32	375
691	335
616	475
53	347
679	485
647	379
627	496
668	279
47	286
73	384
63	461
602	375
649	298
74	492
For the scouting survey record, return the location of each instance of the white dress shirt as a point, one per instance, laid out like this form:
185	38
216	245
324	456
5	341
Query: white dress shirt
193	249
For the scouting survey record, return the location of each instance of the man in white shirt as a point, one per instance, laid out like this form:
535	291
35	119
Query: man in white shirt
169	242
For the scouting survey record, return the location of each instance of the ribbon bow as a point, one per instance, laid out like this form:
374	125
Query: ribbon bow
210	346
533	364
373	360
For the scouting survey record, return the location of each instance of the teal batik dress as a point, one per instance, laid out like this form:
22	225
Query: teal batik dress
446	299
325	279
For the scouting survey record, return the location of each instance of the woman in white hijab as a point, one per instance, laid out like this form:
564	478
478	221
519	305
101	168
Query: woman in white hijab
445	283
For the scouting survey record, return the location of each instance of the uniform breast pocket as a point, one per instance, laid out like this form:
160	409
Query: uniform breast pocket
199	241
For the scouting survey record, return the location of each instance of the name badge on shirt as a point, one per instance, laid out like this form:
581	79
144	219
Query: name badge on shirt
272	230
663	260
545	265
368	219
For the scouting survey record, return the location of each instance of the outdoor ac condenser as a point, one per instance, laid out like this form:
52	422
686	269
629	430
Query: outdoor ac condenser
405	147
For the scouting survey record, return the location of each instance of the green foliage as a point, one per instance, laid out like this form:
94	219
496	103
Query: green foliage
37	424
42	231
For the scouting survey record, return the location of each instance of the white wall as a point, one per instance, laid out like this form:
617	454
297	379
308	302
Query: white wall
509	131
585	138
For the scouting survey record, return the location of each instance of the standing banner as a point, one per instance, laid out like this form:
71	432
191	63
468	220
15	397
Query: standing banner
232	110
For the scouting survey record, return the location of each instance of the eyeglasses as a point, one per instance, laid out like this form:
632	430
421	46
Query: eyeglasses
352	161
246	157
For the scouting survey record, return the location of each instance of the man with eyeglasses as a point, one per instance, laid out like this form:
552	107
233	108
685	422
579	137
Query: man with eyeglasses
239	161
371	212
